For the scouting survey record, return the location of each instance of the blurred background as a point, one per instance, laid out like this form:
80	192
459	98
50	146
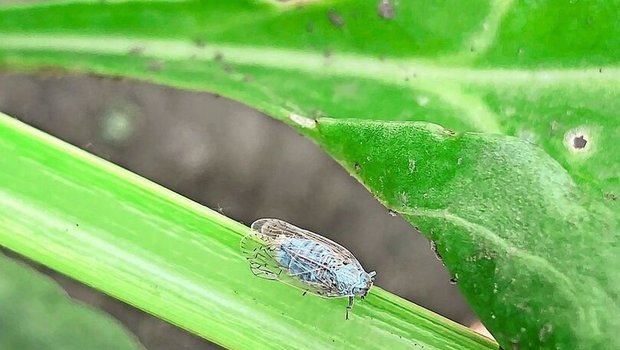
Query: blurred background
234	160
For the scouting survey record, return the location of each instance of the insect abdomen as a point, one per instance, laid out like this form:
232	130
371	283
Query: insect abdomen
305	259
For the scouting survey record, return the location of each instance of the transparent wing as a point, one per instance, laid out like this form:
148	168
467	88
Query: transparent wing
272	230
259	248
261	257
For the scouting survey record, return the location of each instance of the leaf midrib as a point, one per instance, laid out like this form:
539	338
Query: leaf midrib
445	80
343	64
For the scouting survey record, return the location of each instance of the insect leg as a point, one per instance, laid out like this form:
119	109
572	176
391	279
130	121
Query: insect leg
349	307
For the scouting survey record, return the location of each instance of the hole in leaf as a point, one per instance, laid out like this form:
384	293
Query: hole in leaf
579	142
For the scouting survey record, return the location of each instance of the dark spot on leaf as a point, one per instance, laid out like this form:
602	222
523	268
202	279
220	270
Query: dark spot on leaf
335	18
155	66
357	167
328	53
228	68
218	56
77	225
385	9
136	51
579	142
248	78
600	70
392	213
454	280
471	49
611	196
310	27
200	42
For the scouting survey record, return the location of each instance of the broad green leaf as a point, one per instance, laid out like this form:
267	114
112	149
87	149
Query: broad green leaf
35	313
534	252
542	71
163	253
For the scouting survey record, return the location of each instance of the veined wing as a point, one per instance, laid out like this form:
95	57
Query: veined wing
274	230
261	257
261	250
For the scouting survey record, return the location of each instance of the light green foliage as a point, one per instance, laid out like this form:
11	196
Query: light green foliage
522	200
35	314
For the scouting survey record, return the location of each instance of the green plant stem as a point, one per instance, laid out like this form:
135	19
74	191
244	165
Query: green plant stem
178	260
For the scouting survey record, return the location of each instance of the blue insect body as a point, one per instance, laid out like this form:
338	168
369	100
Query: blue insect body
279	250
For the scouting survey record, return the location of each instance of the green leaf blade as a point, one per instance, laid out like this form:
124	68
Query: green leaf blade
524	255
171	257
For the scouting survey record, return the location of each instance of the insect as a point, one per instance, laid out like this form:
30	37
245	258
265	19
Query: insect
281	251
